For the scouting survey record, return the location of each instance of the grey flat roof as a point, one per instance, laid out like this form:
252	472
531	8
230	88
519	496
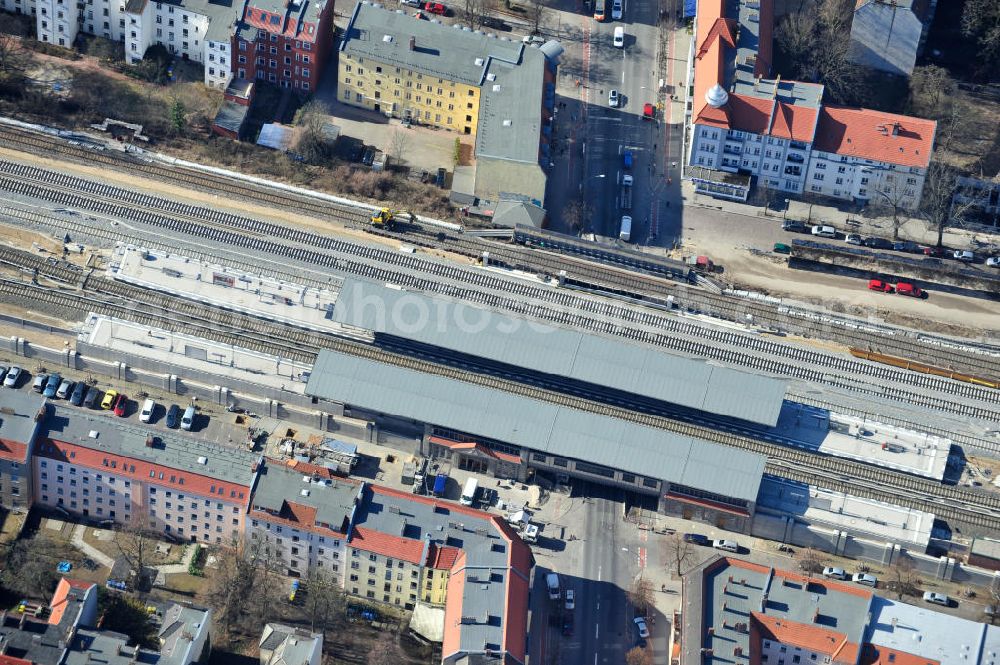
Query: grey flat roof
537	425
128	438
278	484
484	546
510	75
603	361
986	547
17	414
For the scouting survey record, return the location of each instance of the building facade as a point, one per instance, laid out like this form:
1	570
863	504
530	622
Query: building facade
20	420
286	42
746	129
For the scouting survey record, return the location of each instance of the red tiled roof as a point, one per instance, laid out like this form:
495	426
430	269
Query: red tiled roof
193	482
11	660
721	30
868	134
765	25
386	544
257	18
442	557
14	451
709	65
472	445
430	501
60	599
807	636
797	123
452	639
313	470
873	655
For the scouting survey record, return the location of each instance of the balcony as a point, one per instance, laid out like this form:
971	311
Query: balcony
795	158
797	145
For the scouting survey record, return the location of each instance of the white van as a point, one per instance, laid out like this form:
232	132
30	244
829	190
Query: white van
619	39
626	233
469	493
147	411
552	583
187	420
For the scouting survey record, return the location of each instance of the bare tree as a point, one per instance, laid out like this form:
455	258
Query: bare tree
13	58
398	144
136	543
245	586
981	20
678	552
931	92
536	14
811	561
312	143
796	36
30	566
385	649
993	593
575	213
816	38
903	578
640	594
889	198
638	656
475	12
323	601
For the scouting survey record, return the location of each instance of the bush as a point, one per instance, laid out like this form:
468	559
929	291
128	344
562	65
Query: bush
50	49
195	567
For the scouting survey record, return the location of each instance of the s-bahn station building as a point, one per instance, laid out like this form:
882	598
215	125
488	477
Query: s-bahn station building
477	427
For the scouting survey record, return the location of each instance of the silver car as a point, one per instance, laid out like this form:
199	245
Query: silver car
13	376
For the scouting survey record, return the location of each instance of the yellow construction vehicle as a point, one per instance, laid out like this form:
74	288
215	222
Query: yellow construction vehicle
386	219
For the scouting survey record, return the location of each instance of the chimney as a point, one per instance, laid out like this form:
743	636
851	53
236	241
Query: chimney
895	129
413	43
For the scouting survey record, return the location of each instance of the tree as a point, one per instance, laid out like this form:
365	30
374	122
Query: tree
398	144
127	615
536	14
475	12
640	594
811	561
245	589
13	58
903	578
638	656
576	213
385	649
981	21
177	120
931	92
323	601
312	144
889	197
30	567
678	551
816	39
993	593
797	37
136	544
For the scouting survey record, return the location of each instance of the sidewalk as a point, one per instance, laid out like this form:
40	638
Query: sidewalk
88	549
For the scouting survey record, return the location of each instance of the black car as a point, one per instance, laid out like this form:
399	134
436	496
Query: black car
877	243
907	246
696	539
794	227
93	398
487	497
495	23
173	416
79	392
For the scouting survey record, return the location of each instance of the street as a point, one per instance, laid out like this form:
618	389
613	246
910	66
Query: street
593	137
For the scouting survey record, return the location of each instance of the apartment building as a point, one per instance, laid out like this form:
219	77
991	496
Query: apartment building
301	514
20	419
746	129
285	42
284	645
460	80
97	468
738	611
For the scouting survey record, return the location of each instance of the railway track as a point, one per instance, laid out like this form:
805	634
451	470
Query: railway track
171	313
784	318
552	305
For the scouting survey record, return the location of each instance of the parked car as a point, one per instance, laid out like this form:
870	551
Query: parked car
963	255
570	599
13	376
121	403
877	243
495	23
879	285
65	388
613	98
794	227
109	399
727	545
936	252
3	372
824	231
435	8
906	246
79	392
627	159
834	573
864	578
173	416
93	398
853	238
616	10
187	420
937	598
148	407
648	111
640	624
38	385
568	624
907	289
782	248
52	385
412	3
993	262
697	539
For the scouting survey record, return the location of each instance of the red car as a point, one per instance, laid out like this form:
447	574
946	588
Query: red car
121	402
879	285
937	252
648	111
907	289
435	8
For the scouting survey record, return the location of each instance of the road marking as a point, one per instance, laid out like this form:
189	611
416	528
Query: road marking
599	573
623	78
642	557
597	631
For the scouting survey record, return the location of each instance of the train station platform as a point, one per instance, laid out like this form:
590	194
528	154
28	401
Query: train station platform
223	286
865	440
